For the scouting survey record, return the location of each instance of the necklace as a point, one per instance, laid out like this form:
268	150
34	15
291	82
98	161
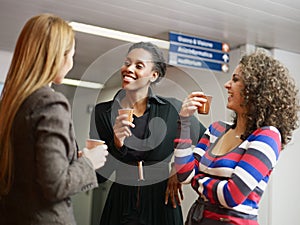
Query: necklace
237	136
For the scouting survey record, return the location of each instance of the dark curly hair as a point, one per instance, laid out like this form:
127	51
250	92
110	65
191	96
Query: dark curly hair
157	57
270	94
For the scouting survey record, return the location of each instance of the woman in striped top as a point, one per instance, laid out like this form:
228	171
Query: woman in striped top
230	166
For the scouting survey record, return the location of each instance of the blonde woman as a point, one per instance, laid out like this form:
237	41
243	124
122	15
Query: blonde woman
39	164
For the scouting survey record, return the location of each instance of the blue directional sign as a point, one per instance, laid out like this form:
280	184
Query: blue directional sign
197	63
199	53
199	42
196	52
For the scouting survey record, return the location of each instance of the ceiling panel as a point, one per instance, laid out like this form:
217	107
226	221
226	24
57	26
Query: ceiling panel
265	23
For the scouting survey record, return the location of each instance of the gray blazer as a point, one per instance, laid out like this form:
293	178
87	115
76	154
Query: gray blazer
46	168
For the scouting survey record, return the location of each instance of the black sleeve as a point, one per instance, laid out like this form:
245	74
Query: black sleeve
93	129
94	135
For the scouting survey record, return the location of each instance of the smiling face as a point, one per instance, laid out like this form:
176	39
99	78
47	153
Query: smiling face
137	71
235	87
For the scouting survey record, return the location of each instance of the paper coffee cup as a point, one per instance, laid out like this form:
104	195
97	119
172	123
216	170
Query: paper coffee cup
92	143
127	111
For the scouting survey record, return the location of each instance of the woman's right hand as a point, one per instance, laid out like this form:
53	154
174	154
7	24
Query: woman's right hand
191	103
96	155
122	129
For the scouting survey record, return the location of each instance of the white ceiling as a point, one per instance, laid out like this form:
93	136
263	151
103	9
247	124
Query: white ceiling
264	23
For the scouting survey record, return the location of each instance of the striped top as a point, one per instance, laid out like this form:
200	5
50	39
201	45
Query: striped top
235	180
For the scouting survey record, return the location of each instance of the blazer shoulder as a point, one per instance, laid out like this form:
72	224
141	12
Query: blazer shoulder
45	96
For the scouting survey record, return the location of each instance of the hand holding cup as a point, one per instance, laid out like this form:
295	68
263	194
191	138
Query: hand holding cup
96	152
195	101
122	126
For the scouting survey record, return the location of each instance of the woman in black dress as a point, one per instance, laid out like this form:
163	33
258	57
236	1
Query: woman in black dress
147	140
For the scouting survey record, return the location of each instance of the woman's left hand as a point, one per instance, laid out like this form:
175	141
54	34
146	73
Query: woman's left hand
174	189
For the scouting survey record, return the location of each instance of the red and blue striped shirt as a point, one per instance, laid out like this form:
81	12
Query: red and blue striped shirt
235	180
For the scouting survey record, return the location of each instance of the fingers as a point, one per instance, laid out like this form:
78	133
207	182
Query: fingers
79	154
173	200
188	107
120	134
172	195
167	195
180	191
96	155
122	120
197	98
195	93
191	103
101	147
122	129
173	191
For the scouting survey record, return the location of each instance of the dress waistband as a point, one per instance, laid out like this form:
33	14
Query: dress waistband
152	172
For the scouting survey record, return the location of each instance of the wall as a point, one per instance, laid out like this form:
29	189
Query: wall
5	58
285	198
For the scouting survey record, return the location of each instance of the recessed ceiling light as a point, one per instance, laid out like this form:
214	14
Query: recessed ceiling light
119	35
81	83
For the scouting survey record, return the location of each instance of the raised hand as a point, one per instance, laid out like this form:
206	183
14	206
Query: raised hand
122	129
191	103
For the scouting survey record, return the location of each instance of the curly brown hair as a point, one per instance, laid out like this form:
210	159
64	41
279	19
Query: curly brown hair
270	94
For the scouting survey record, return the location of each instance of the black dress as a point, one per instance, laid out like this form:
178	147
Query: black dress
129	198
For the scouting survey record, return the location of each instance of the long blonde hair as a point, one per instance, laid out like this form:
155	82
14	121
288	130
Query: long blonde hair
39	54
